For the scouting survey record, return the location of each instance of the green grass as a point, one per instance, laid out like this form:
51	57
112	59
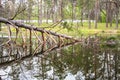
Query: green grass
77	30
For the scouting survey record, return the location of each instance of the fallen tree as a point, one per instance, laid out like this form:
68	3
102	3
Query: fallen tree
26	26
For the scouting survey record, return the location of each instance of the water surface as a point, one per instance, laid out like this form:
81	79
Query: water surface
90	60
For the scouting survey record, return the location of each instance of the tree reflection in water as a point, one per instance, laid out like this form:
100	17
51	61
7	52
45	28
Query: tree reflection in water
80	62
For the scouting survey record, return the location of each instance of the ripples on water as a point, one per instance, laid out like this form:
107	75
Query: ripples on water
89	61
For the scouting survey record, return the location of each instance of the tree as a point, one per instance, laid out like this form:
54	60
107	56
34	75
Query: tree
81	7
117	5
61	9
1	12
40	12
30	6
91	14
9	9
97	11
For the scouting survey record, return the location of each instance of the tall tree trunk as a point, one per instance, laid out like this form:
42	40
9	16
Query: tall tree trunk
44	8
30	11
89	13
52	11
111	14
55	11
96	12
23	13
81	17
53	7
95	16
117	20
47	15
89	21
0	14
107	15
117	12
0	26
72	11
61	9
39	12
111	18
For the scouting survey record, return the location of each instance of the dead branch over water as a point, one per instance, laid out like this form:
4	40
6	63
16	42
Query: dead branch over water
21	25
31	43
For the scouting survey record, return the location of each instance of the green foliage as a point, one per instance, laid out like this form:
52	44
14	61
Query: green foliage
111	38
109	41
103	16
67	11
67	26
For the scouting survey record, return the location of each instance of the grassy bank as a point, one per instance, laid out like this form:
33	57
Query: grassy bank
76	30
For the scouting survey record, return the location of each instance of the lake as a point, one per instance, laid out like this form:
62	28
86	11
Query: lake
94	59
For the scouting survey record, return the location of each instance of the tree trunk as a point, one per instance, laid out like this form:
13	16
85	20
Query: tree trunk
111	18
39	12
89	21
61	9
96	12
117	13
47	15
107	14
29	11
117	21
0	14
0	26
53	7
111	15
72	11
81	17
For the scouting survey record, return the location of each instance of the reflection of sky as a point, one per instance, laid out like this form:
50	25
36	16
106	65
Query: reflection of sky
32	67
17	1
4	73
24	73
78	76
29	74
70	77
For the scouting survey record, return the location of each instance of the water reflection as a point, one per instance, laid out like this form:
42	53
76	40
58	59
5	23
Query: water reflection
77	62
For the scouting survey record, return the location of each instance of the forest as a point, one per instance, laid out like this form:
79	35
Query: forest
98	11
59	40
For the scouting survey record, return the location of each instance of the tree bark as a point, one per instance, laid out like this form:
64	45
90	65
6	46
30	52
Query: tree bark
61	9
107	14
47	15
89	21
29	10
117	12
53	11
81	17
0	15
39	12
72	11
117	21
96	12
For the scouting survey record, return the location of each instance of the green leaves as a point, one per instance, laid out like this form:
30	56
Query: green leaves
67	26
